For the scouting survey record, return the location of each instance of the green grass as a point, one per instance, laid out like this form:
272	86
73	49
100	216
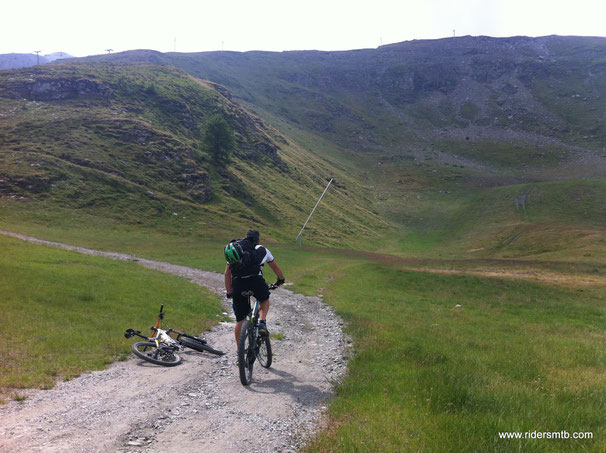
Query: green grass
507	155
430	376
563	220
426	374
129	151
65	313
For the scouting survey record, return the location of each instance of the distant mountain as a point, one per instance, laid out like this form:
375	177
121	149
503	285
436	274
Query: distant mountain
20	60
23	60
495	145
480	141
450	96
57	56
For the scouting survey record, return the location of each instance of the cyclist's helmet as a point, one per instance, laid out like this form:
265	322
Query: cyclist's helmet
233	252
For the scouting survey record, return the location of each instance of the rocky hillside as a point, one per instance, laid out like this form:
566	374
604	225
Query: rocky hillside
458	96
127	142
452	132
441	137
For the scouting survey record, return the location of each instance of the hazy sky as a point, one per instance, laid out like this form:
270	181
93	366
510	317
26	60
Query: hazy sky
90	27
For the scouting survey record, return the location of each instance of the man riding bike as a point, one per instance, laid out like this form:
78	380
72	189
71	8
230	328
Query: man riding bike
247	275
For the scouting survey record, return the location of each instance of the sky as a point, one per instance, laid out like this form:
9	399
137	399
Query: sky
90	27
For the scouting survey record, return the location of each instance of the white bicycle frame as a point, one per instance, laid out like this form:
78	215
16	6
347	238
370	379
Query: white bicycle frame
162	336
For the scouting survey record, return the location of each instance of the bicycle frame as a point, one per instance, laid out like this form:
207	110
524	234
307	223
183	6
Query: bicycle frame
163	336
254	314
251	342
253	317
160	335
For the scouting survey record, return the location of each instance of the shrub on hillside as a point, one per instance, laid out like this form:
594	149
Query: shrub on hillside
218	139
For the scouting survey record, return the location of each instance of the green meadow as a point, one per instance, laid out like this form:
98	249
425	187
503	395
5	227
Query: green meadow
445	363
442	362
64	313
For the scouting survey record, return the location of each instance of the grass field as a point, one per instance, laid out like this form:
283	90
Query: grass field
443	361
523	352
64	313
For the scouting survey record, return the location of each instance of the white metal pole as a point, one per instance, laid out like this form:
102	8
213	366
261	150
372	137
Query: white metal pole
313	210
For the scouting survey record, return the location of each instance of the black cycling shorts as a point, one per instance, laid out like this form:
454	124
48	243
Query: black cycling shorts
240	304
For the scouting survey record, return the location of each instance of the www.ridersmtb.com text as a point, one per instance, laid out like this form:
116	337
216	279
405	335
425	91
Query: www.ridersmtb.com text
545	435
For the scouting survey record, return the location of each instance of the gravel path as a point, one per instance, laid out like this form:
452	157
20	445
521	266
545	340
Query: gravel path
200	405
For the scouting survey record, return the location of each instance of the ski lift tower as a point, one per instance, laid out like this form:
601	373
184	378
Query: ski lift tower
299	239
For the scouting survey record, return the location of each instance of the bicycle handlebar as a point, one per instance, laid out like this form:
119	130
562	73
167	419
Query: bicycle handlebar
131	333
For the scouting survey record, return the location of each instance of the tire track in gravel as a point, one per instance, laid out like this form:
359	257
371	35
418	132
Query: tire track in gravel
200	405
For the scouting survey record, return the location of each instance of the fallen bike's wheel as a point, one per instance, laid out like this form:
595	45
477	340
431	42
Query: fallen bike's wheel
198	345
164	355
246	355
264	352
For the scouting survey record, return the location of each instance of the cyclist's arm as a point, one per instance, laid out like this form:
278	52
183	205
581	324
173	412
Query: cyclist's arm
227	279
276	269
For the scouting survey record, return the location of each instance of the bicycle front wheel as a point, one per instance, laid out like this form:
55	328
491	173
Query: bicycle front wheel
164	355
246	355
264	351
198	345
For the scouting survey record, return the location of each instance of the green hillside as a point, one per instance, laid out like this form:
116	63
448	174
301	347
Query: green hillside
123	145
443	139
446	134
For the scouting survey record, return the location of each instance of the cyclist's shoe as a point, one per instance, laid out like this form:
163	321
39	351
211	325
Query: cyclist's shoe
263	329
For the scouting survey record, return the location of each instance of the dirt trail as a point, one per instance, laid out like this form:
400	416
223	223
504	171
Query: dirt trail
199	406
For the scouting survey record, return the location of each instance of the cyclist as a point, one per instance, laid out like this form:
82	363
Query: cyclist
250	278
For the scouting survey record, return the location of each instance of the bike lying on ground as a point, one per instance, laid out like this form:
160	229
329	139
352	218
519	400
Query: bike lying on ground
162	349
253	346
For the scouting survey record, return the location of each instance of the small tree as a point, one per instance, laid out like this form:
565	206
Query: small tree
218	139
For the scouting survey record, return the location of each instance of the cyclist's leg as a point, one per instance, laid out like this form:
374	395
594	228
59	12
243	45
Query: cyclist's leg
263	310
261	291
241	308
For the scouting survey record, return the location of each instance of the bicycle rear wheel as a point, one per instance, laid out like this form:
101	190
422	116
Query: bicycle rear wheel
164	355
246	355
198	345
264	351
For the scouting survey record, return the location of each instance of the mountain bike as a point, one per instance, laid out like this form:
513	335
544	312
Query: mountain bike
162	349
253	346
